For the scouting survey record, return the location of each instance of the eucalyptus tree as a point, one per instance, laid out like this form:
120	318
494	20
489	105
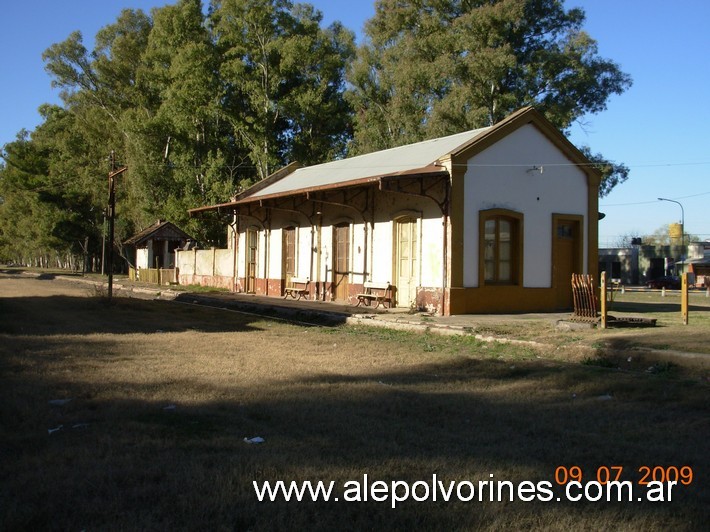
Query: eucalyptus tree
50	207
100	89
181	142
283	78
435	67
195	105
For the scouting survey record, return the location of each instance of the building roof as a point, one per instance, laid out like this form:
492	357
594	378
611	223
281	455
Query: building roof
410	160
161	230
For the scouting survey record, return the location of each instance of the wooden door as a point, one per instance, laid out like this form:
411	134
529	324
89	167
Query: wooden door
406	267
341	261
251	260
567	260
288	254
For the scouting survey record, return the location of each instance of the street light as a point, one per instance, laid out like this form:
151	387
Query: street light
682	227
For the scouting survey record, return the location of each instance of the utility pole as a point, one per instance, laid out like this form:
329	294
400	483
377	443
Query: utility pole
112	215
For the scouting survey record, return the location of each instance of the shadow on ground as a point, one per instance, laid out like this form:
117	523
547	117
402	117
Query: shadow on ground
150	452
45	316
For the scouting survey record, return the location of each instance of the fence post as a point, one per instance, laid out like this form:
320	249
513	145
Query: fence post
684	298
603	300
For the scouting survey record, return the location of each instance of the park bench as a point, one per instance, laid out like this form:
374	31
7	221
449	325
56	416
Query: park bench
380	293
297	287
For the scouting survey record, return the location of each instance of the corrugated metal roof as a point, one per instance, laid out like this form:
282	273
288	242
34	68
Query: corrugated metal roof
393	161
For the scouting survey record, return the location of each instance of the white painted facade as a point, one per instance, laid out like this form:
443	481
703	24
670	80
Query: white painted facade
502	177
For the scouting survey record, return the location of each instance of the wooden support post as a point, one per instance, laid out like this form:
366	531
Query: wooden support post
112	217
684	298
603	300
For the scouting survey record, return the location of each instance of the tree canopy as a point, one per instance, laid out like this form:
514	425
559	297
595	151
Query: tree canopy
200	101
197	105
435	67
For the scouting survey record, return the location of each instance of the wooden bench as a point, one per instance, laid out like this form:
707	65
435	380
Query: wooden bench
380	293
297	287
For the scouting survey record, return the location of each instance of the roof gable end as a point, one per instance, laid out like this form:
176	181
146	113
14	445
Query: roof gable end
528	115
162	230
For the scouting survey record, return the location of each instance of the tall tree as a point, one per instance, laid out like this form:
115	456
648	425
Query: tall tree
101	91
284	80
435	67
180	142
194	105
52	204
106	77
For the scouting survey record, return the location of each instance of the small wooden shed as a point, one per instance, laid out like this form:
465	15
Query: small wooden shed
154	247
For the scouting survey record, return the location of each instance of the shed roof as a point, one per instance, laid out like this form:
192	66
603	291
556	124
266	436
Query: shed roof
162	230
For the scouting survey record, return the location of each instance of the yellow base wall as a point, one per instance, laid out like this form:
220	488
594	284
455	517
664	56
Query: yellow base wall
500	300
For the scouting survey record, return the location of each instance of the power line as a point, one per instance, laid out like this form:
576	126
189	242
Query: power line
649	202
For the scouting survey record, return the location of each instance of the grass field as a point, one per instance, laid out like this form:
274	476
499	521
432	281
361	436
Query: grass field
162	396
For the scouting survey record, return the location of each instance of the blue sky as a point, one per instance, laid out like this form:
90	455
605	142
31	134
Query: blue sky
659	127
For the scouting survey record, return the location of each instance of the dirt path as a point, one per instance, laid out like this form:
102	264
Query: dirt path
18	285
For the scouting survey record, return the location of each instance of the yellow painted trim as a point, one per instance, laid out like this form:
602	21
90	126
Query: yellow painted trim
456	237
502	299
517	263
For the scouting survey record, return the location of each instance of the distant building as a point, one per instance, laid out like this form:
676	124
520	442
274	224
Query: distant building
637	265
699	262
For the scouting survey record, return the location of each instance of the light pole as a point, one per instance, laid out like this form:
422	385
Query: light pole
682	227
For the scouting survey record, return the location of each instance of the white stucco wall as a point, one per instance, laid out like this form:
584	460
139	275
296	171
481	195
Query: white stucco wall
382	252
502	177
430	241
303	252
204	262
273	260
326	262
224	262
357	253
432	251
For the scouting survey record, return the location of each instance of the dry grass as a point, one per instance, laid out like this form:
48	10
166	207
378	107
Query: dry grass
332	404
670	334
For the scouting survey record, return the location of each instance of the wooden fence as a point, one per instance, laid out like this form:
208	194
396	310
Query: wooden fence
152	275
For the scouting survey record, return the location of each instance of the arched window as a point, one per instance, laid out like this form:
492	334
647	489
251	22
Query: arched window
501	246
